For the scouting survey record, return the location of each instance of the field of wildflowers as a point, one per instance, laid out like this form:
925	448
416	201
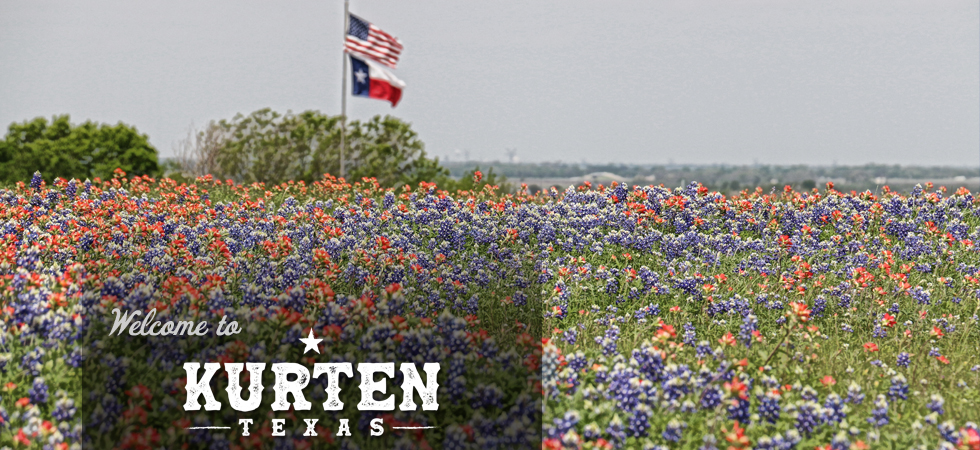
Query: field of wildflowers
598	317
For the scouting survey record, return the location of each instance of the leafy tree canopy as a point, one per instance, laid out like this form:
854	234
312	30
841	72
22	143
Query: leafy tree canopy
60	149
269	147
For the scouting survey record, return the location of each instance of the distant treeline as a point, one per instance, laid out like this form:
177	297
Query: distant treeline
735	177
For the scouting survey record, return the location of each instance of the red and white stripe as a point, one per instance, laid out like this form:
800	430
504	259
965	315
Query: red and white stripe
380	46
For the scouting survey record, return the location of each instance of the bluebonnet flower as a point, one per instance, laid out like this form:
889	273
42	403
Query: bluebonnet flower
704	349
32	361
455	437
64	408
840	441
472	305
949	432
688	406
899	388
809	394
788	440
608	340
879	415
807	417
710	398
819	304
766	443
612	286
616	431
577	361
749	324
920	295
738	409
36	181
601	374
639	421
879	332
903	359
769	409
567	423
834	408
38	391
592	432
71	188
570	336
690	335
936	403
674	430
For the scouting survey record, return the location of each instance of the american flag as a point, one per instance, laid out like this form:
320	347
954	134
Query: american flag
367	40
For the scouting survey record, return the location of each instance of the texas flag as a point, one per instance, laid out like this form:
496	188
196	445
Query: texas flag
371	80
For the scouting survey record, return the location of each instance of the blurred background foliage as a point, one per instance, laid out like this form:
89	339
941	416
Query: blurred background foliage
273	148
264	146
60	149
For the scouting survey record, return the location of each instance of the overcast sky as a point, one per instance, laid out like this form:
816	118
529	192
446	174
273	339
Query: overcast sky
641	81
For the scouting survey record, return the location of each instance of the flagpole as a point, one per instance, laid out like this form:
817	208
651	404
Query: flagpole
343	95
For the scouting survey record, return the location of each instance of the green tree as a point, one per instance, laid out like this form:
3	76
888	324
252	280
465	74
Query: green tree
266	146
389	150
60	149
269	147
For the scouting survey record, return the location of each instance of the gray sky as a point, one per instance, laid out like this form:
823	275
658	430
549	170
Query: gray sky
648	81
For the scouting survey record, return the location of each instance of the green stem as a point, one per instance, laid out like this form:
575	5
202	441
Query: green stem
789	329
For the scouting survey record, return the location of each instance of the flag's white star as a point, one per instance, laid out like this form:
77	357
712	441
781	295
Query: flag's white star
361	76
311	343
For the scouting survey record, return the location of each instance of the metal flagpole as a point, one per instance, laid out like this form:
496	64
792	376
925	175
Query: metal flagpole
343	95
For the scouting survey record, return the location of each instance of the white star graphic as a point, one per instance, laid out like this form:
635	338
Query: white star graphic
311	343
361	76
